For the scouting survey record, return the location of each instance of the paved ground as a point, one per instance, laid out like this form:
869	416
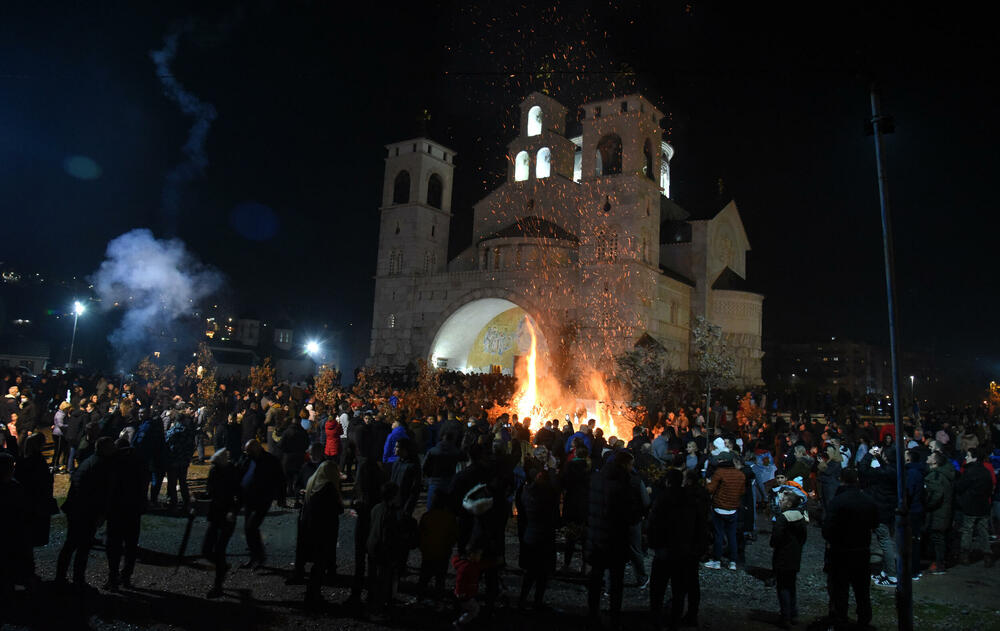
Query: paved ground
169	595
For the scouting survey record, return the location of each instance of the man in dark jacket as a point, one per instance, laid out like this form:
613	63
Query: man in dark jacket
540	504
261	483
151	445
575	482
915	470
439	466
16	562
367	493
180	441
940	482
878	475
614	508
972	497
678	535
127	504
405	474
293	444
848	529
85	506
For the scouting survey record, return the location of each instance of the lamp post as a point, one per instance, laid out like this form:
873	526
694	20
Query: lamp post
78	309
913	395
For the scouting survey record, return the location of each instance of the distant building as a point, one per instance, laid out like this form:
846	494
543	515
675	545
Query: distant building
244	342
582	243
21	352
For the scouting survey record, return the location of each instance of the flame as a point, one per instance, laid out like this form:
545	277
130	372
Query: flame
541	397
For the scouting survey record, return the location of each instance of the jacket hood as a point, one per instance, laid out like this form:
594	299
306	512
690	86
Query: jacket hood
794	515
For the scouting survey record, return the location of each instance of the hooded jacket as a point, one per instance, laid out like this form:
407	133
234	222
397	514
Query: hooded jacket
973	489
940	483
787	538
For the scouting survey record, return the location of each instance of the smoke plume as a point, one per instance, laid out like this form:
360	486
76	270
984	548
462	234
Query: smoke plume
194	148
156	283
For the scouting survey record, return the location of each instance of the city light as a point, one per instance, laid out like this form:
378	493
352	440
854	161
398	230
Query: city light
79	308
312	347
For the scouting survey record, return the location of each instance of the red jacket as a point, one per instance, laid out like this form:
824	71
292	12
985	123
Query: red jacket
333	431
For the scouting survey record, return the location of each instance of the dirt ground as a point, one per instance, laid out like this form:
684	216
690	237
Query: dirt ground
169	591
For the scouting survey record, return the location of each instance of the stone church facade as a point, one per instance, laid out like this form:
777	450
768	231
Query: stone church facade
581	245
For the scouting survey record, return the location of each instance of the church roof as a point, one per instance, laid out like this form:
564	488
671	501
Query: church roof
669	273
731	281
533	227
671	211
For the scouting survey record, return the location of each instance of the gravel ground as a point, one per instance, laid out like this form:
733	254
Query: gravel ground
168	595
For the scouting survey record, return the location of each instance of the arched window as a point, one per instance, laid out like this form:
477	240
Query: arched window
543	163
609	150
435	191
522	166
401	188
598	163
395	262
665	174
535	121
647	154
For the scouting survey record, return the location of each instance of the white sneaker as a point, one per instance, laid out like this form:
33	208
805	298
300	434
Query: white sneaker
732	565
713	565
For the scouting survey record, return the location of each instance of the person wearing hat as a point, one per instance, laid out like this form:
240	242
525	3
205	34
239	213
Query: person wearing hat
788	535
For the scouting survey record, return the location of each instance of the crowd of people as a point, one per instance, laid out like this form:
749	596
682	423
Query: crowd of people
445	485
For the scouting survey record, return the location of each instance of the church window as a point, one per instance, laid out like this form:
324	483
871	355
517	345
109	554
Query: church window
535	121
522	166
607	246
435	191
609	151
397	227
414	147
401	188
543	163
647	153
395	262
429	150
391	321
433	229
665	174
397	151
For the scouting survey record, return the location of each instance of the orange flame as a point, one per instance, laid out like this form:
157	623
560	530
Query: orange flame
541	397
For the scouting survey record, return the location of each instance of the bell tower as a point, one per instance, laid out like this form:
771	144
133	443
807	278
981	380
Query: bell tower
416	208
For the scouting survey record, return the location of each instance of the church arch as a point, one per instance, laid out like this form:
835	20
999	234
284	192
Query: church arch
648	154
522	166
543	163
609	155
435	191
535	121
401	188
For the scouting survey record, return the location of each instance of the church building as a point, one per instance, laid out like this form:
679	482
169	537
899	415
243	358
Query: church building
581	245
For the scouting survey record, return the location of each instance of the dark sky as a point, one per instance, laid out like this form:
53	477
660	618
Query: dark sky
769	98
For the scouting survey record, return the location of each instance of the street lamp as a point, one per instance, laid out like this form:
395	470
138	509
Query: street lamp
912	392
78	309
312	347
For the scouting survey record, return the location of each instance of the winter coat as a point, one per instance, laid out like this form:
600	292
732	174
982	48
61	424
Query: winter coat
915	487
223	488
262	481
575	481
438	532
851	518
333	431
36	481
16	559
540	503
613	508
59	423
130	484
440	463
940	485
973	490
389	450
293	445
180	441
321	522
90	489
727	487
678	524
787	538
73	431
880	485
829	480
661	449
384	545
406	475
582	436
150	443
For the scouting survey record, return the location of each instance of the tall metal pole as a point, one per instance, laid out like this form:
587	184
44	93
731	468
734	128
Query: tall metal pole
76	316
904	585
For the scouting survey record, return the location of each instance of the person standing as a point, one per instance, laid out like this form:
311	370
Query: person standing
367	492
915	469
85	505
540	501
126	506
405	474
613	509
261	484
224	495
972	497
16	563
180	439
440	465
60	449
940	482
787	538
35	478
321	526
726	487
848	530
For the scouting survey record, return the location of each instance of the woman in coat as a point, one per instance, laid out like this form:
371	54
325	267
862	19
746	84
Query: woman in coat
787	538
321	516
60	450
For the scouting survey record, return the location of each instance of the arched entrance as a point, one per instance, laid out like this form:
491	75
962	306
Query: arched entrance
483	335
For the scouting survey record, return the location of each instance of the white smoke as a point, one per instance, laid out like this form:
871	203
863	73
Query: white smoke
194	148
156	282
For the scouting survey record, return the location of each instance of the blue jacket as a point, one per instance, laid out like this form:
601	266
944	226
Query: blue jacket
915	487
661	448
586	441
389	451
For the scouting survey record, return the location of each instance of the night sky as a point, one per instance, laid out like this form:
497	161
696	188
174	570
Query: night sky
767	101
